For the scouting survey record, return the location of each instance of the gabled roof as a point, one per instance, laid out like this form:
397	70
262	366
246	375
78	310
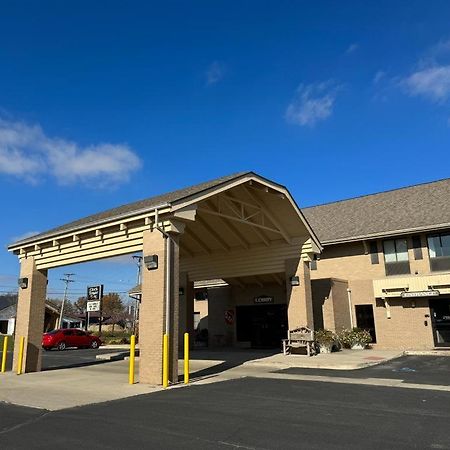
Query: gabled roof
133	208
422	207
171	201
8	313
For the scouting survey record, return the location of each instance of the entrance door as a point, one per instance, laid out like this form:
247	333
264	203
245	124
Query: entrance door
440	318
263	325
365	320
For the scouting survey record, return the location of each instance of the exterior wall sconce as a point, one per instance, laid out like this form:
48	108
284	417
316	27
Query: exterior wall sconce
23	283
295	281
181	291
151	262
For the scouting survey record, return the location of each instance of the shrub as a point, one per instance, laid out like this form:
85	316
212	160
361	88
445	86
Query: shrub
354	336
324	337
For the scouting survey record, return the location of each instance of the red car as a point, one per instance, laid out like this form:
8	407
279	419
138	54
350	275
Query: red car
69	337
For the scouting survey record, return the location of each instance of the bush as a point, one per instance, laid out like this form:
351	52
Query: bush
354	336
324	337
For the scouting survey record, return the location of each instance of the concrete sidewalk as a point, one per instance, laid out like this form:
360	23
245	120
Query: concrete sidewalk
66	388
343	360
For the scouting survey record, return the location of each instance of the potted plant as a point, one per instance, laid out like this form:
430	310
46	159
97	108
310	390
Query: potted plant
355	338
325	339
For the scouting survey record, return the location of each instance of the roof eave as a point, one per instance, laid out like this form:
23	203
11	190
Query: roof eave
385	234
31	241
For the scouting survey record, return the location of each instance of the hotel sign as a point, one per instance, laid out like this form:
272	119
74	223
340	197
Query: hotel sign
415	294
93	306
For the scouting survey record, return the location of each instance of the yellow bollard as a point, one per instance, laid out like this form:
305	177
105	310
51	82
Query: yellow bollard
186	358
5	353
132	352
165	380
20	361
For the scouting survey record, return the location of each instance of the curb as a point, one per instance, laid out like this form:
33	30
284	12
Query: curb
118	356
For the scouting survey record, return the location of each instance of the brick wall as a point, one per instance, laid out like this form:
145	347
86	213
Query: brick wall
406	328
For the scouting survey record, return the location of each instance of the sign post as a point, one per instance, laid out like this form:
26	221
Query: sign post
94	303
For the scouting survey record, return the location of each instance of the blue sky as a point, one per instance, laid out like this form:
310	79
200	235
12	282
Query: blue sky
106	102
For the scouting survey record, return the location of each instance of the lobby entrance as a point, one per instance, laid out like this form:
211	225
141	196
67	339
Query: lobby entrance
440	318
263	326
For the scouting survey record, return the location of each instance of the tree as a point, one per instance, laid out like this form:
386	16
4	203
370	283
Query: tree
69	307
113	307
80	305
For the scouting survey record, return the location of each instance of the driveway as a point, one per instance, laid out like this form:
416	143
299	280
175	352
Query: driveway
247	413
71	357
434	370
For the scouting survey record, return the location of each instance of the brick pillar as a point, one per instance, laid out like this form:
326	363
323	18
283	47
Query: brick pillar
152	314
30	316
299	298
174	308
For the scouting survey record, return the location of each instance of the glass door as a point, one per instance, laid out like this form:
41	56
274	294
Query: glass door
440	318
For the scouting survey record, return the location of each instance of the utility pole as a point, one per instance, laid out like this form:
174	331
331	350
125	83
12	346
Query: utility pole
66	280
138	260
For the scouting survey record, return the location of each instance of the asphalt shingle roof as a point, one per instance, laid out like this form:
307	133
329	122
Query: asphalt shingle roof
131	208
419	207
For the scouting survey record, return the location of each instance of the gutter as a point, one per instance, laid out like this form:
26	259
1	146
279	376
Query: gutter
386	234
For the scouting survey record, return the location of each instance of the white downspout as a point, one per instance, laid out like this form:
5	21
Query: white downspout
350	307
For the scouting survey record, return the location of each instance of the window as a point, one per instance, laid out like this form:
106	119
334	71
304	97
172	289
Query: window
374	253
396	257
439	250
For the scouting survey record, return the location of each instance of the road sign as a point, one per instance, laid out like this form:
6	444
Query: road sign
93	306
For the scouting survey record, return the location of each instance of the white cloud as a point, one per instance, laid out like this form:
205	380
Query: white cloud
431	76
432	83
379	76
312	103
26	152
215	72
352	48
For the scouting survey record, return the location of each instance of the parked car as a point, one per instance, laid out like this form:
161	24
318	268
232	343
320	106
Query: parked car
69	337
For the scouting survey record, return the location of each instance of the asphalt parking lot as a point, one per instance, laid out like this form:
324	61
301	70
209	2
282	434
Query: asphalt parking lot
244	413
72	357
411	369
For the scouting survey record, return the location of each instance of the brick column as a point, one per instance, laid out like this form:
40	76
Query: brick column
299	298
30	316
152	314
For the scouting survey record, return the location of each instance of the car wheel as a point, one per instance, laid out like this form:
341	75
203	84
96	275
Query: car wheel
61	346
94	344
46	348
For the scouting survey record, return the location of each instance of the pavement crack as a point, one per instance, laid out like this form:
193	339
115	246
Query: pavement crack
25	423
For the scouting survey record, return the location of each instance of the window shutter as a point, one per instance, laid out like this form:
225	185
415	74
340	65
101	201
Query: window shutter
417	247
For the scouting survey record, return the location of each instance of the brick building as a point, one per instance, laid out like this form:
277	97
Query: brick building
386	258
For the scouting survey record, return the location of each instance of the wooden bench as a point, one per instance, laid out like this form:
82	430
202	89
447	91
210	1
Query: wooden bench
302	337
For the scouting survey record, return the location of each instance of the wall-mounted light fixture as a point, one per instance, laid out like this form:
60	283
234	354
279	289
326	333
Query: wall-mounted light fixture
295	281
181	291
23	283
151	262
